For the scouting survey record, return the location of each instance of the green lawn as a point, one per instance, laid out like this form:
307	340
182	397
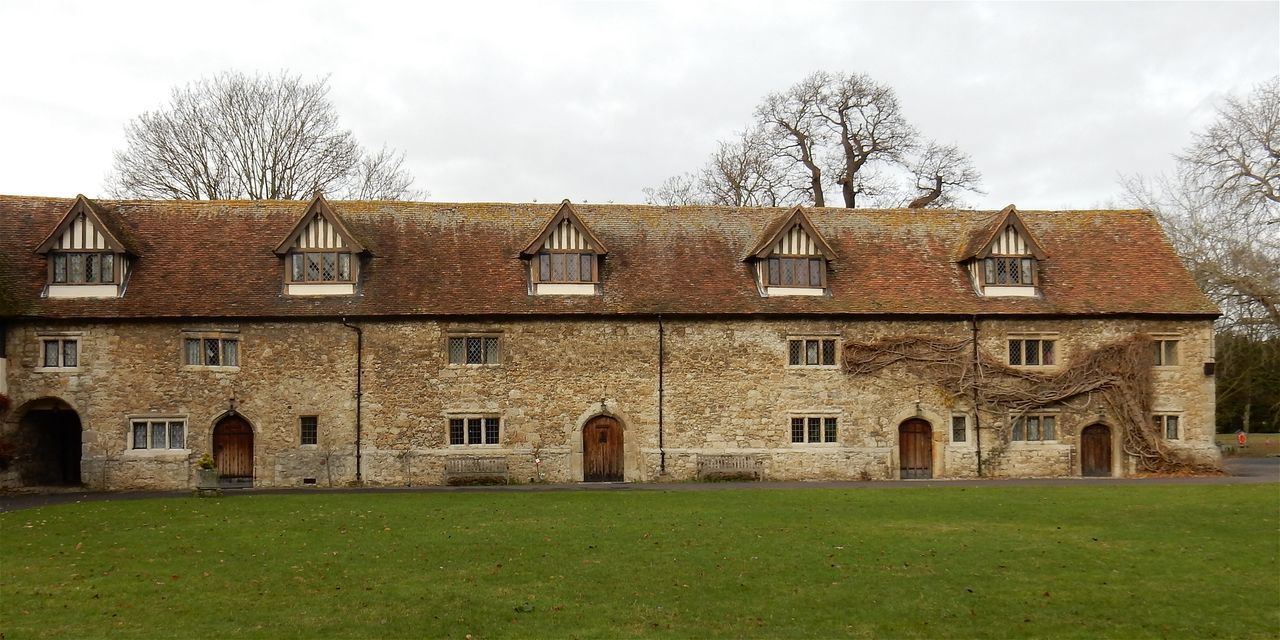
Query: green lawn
1257	444
1185	561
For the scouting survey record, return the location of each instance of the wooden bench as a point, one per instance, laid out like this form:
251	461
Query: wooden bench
725	467
466	470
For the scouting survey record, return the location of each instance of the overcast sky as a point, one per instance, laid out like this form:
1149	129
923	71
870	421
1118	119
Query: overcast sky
595	101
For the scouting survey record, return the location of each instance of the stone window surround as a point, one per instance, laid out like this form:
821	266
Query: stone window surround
301	440
219	334
1039	413
1051	336
968	442
464	416
473	333
813	413
61	336
813	336
1160	416
129	451
1175	338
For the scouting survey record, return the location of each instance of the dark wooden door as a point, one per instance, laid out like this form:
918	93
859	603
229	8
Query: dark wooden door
1095	451
915	449
233	449
602	450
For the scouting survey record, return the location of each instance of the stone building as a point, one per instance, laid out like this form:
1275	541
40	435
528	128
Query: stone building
392	343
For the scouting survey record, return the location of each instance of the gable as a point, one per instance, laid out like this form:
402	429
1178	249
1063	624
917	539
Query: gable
320	227
565	231
1006	233
792	234
83	228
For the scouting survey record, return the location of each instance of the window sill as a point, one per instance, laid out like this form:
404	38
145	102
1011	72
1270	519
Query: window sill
1009	291
813	367
200	367
321	289
1034	443
68	370
463	448
564	289
777	292
455	365
308	447
83	291
818	445
169	454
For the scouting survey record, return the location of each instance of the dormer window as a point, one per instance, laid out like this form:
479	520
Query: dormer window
792	257
87	257
565	257
1003	258
321	256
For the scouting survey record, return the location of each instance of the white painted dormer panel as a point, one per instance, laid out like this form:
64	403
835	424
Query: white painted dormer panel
1010	243
796	242
566	237
319	234
81	234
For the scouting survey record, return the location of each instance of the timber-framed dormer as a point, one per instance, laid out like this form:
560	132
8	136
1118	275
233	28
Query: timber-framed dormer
1003	259
564	259
87	254
792	257
321	255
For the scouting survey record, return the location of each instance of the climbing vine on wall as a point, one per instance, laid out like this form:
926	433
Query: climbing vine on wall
1118	375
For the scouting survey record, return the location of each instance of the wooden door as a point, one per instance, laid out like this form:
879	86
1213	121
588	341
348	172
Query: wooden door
1095	451
233	449
915	449
602	450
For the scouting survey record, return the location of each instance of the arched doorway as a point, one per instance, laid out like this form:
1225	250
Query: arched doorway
47	444
233	451
602	459
1095	451
915	449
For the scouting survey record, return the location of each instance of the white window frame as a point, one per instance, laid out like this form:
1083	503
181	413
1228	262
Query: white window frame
804	339
822	417
483	417
1022	338
61	339
222	336
151	421
464	336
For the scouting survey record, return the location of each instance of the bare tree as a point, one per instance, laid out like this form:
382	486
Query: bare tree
675	191
792	120
865	119
940	171
744	173
255	137
1221	212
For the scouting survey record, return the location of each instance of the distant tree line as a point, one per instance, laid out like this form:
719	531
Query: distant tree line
838	132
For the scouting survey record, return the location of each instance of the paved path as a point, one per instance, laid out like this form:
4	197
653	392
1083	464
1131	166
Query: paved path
1239	471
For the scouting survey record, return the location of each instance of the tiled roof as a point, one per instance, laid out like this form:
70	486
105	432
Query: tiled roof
215	259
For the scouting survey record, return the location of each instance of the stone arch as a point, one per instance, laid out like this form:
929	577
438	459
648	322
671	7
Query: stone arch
938	426
234	450
632	471
44	445
1115	452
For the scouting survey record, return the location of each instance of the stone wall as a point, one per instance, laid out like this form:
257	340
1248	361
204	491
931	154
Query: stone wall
727	389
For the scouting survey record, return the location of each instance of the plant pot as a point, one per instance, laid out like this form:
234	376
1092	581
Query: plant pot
206	478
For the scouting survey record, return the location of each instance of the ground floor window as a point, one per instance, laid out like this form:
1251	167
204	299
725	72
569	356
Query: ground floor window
60	353
159	433
959	428
1169	425
468	430
813	429
309	430
211	351
1034	427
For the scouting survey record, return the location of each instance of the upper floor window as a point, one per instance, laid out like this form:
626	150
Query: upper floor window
321	255
474	349
1009	270
1165	351
211	350
791	257
320	266
1032	352
797	272
81	267
566	267
86	256
811	352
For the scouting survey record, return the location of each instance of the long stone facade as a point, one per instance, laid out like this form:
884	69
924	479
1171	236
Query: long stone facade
680	387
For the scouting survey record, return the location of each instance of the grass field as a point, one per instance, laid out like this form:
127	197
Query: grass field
1182	561
1259	444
